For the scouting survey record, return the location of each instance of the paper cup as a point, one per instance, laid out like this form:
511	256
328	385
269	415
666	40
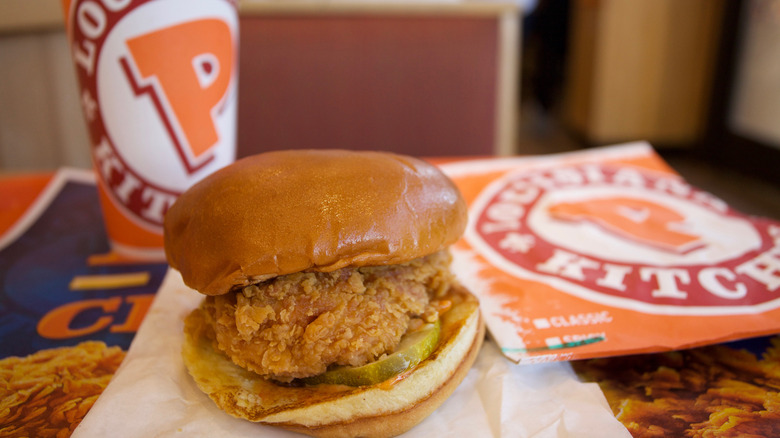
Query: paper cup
158	82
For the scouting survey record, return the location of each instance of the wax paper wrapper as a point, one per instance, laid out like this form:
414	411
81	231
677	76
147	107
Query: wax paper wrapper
152	395
608	252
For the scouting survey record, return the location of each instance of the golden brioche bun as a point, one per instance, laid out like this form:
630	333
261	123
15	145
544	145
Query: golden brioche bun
282	212
383	410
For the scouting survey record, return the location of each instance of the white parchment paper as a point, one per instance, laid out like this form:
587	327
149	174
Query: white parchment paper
152	395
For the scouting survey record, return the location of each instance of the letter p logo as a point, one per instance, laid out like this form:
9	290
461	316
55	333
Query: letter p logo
186	70
641	220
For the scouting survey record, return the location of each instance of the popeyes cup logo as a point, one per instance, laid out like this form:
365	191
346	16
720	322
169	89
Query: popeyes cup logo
158	90
625	238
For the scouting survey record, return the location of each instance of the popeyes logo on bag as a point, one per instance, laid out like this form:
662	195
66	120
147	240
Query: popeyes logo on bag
630	239
159	95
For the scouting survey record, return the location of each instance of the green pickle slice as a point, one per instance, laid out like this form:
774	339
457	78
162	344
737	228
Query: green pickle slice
413	349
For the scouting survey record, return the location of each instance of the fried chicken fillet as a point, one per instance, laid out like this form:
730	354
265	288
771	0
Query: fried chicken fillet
297	325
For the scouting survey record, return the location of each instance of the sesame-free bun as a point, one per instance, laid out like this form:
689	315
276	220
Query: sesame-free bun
282	212
383	410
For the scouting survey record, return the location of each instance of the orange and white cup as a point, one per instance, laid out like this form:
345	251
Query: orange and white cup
158	82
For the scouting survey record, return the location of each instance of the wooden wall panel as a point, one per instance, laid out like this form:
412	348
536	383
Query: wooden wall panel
641	70
41	125
417	84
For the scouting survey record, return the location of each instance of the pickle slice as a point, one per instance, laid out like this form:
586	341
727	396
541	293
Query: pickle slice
413	349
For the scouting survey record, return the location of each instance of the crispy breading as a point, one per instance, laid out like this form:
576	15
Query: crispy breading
297	325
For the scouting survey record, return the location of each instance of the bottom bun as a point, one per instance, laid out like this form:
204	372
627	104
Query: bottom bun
383	410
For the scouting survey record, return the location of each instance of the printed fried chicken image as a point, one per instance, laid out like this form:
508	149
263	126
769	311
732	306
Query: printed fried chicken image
706	392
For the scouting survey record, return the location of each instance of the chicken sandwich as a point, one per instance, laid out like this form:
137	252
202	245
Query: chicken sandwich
330	308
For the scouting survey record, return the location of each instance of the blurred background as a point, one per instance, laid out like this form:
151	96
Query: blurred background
698	79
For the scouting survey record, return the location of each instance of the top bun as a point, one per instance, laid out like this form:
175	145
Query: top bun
282	212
